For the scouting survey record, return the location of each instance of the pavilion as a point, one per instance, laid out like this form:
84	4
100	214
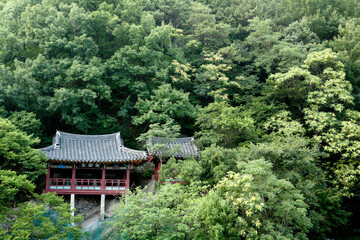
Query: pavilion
90	165
164	148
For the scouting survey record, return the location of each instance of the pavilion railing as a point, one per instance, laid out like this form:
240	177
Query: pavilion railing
88	182
60	181
115	182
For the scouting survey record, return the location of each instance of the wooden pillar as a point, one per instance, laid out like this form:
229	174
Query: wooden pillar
103	178
128	177
102	207
72	203
156	174
73	178
48	178
157	168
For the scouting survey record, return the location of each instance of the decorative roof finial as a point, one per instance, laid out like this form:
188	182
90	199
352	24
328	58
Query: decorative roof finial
57	140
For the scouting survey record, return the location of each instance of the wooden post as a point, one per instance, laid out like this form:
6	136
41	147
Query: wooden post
156	174
150	158
103	178
157	168
102	207
73	177
48	178
128	177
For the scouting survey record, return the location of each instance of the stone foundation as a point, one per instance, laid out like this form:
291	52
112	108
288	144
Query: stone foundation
83	204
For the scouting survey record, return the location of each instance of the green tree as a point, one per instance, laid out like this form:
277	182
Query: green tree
16	152
282	125
81	92
204	27
324	16
295	160
26	122
13	188
101	25
267	51
216	162
46	218
324	105
238	13
225	125
299	33
131	11
166	104
346	44
187	171
211	80
137	70
11	46
252	204
147	216
20	90
174	11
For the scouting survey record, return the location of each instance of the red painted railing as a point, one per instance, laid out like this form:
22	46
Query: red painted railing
60	181
88	182
115	182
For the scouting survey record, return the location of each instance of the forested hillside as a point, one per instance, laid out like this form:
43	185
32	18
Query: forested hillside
269	88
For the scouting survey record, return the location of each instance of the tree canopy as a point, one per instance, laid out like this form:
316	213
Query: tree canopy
270	90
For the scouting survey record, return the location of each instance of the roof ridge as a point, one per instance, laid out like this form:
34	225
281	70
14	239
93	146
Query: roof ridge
85	136
173	140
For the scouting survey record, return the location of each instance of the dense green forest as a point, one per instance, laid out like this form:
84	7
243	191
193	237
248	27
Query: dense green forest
269	88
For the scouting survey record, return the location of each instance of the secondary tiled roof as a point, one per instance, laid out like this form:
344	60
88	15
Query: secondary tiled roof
91	148
182	147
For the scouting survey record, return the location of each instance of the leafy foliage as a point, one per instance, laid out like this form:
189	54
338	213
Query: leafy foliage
12	188
167	104
16	152
251	79
186	172
144	215
246	208
32	220
223	124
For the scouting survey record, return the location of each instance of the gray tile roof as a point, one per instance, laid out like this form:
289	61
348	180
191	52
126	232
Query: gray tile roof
91	148
183	147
